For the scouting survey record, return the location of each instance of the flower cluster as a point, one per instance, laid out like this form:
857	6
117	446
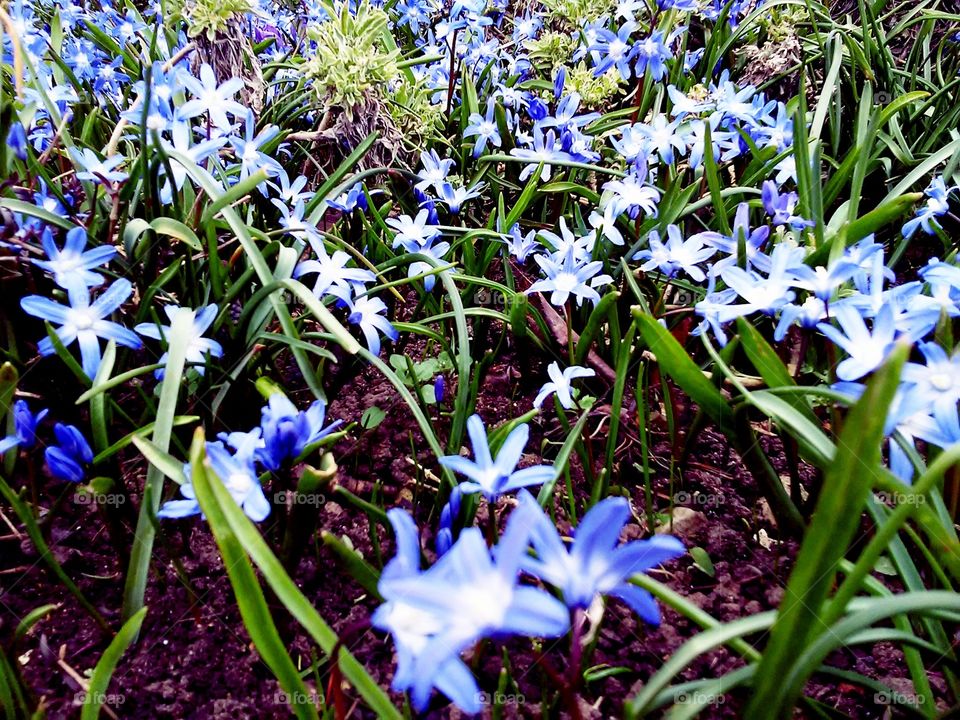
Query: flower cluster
473	591
285	435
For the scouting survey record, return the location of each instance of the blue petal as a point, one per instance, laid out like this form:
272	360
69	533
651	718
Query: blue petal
455	680
113	297
640	601
599	530
179	509
536	613
44	308
407	558
89	352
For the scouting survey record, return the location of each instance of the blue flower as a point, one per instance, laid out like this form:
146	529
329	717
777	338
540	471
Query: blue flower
370	314
413	232
484	128
676	254
934	386
455	197
68	460
25	423
412	627
248	148
561	384
544	151
17	141
8	443
291	220
652	54
582	246
824	281
293	192
596	563
520	245
778	133
334	277
183	143
466	596
238	475
287	432
448	518
605	223
96	170
412	13
614	50
349	200
434	170
496	477
664	137
938	203
197	347
212	98
780	207
409	242
764	294
867	350
807	315
73	265
633	194
566	115
566	276
753	241
84	322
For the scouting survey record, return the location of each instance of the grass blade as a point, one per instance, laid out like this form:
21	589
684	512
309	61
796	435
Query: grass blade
100	679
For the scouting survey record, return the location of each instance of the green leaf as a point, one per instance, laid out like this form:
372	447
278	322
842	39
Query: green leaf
96	692
702	560
181	332
560	462
252	542
232	195
136	227
847	485
372	417
31	210
713	182
31	619
246	589
358	568
160	459
692	649
8	386
675	362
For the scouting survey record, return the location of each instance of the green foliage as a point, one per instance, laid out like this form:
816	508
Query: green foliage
350	60
210	17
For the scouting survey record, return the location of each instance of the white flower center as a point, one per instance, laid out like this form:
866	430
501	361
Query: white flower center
238	483
484	604
67	262
565	281
941	381
82	318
